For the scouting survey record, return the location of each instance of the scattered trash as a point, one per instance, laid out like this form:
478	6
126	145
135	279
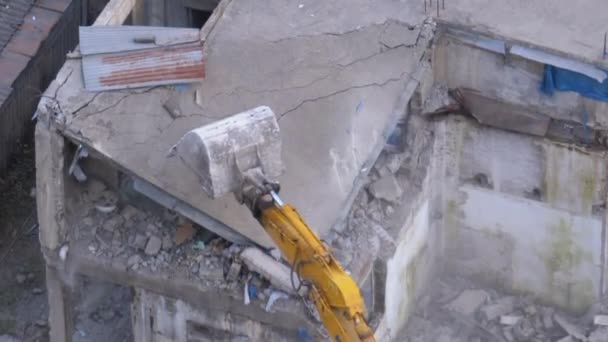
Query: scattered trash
105	208
246	299
63	252
303	335
274	296
509	320
198	245
185	232
600	320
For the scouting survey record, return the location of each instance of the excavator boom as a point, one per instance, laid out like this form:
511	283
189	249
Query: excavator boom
242	154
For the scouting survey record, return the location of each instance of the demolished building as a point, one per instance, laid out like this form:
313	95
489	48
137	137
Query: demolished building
414	146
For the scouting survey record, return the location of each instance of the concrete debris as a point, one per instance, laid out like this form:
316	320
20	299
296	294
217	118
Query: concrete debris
570	328
21	278
129	213
548	319
386	188
468	302
139	241
133	261
509	319
167	243
41	323
599	335
153	246
105	208
274	296
277	273
522	319
113	223
210	272
234	270
567	339
523	330
600	320
499	308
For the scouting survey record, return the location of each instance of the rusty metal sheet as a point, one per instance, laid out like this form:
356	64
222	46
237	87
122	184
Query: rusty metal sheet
140	68
108	39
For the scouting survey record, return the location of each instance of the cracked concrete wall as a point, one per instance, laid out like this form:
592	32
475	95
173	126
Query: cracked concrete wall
338	89
524	214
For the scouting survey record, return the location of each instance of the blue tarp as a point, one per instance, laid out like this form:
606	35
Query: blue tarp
565	80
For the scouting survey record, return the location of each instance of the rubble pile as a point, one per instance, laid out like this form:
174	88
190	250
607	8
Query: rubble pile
457	311
382	206
164	243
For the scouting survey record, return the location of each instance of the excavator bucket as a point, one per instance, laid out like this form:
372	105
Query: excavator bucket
220	152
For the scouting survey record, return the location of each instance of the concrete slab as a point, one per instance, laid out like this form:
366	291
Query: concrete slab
335	85
556	25
334	72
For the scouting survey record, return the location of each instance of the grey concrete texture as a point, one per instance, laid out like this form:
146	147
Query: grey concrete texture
334	84
574	29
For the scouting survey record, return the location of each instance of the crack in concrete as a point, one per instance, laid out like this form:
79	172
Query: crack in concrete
331	34
326	76
375	84
147	90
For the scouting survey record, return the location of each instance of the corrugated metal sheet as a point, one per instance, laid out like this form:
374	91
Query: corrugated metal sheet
149	67
107	39
11	16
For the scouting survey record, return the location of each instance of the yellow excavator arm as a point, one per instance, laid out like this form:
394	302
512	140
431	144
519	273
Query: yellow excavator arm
334	293
242	154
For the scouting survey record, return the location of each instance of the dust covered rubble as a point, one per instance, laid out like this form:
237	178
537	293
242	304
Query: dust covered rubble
383	204
479	315
166	244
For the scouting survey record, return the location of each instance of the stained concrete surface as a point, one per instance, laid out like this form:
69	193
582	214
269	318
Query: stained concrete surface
571	29
335	86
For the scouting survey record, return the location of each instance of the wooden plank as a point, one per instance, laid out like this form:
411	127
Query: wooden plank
115	12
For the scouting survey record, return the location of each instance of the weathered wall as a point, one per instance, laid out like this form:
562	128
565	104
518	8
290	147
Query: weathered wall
409	272
524	214
512	80
164	319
